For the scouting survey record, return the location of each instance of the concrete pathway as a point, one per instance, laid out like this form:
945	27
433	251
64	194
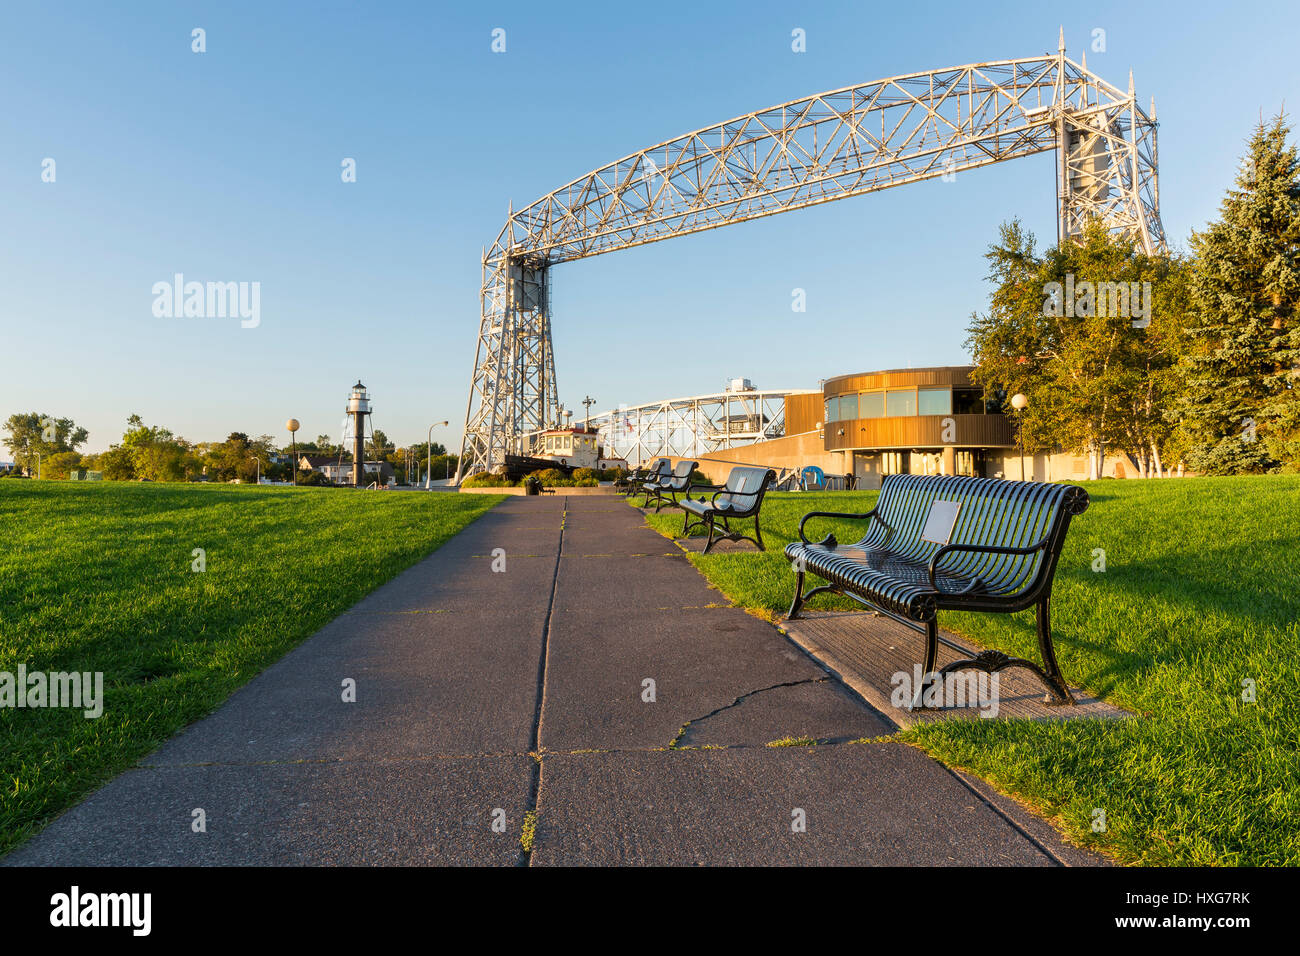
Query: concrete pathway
490	697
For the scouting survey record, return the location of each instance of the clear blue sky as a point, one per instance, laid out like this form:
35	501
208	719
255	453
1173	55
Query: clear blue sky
225	166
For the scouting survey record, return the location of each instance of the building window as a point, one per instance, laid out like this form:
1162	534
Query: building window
871	405
934	401
848	407
964	463
925	463
891	463
967	401
831	404
900	403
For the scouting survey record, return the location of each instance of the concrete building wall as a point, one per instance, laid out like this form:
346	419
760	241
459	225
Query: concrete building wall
1055	467
792	451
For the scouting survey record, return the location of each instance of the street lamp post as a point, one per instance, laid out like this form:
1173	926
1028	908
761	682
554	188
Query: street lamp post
1019	402
259	469
293	426
428	474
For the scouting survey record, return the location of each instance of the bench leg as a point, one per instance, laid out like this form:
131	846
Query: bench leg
712	527
800	598
1045	647
797	603
931	659
993	661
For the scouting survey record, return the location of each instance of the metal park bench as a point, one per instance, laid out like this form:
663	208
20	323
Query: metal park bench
739	498
632	483
937	543
665	489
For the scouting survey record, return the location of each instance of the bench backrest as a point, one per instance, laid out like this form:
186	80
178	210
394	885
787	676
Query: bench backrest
1010	514
744	489
680	479
658	468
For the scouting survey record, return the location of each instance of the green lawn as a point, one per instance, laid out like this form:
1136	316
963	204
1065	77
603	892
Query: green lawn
98	577
1201	592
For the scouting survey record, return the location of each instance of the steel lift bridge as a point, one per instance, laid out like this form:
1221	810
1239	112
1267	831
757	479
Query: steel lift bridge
834	145
694	426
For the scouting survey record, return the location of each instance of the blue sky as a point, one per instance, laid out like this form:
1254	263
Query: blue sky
226	166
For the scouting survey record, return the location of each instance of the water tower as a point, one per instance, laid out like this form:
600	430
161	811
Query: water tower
357	410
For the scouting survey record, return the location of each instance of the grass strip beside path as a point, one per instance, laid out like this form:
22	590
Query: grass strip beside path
99	577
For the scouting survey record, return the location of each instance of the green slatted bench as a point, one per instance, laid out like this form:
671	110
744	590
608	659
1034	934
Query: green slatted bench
937	543
740	497
665	489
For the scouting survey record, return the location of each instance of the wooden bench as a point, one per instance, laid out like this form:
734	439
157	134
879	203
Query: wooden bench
631	484
740	497
665	489
937	543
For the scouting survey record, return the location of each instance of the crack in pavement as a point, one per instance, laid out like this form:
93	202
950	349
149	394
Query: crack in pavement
672	744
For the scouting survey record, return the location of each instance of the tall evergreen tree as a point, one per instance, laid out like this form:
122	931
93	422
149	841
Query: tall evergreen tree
1239	411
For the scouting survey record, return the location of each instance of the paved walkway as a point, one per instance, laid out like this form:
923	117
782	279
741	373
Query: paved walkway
485	695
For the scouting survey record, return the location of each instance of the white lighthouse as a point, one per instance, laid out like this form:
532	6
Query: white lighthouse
357	410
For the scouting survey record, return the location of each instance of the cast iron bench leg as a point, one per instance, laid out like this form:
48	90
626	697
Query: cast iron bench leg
1049	654
800	597
797	603
931	659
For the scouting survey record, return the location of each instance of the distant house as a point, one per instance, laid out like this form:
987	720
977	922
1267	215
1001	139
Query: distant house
315	462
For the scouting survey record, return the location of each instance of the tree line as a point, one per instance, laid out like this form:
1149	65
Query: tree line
1168	359
48	446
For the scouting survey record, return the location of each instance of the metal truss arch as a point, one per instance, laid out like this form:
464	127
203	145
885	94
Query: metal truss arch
834	145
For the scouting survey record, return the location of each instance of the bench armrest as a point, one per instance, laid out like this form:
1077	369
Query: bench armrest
829	541
986	549
703	488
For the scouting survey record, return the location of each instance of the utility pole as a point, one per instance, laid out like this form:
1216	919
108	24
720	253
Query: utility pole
588	401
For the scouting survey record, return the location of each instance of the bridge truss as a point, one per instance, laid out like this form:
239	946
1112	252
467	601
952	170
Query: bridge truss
843	143
689	427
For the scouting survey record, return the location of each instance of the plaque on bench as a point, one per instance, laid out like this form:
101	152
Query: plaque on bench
940	522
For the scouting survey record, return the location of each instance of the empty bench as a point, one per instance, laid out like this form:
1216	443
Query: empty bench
740	497
665	489
937	543
631	484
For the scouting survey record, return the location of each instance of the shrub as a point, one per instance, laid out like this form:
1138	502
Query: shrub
551	476
485	479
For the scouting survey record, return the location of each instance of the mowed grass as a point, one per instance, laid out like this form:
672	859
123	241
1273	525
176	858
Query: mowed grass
1200	593
99	577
